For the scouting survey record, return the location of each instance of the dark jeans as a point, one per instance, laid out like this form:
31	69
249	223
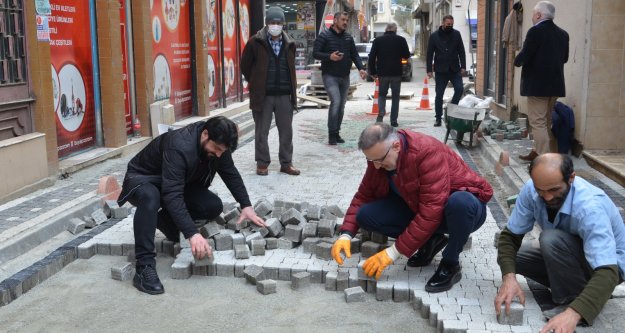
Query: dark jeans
337	88
395	84
201	203
560	260
282	107
441	84
464	213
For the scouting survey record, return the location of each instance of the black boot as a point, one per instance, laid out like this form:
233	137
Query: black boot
426	253
437	123
147	280
339	139
332	139
445	277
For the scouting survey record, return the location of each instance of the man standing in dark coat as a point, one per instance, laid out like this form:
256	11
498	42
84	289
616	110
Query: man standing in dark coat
336	50
385	65
174	172
268	63
446	52
544	53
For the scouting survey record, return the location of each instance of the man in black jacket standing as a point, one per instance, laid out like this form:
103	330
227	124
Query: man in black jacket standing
544	53
385	65
446	51
336	50
268	63
174	172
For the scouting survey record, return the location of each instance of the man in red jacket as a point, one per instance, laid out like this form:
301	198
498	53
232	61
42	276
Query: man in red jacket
415	189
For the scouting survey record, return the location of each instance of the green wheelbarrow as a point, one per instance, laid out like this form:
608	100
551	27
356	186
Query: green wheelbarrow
463	120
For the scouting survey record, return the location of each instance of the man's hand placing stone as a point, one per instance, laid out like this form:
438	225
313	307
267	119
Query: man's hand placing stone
248	213
377	264
343	244
200	247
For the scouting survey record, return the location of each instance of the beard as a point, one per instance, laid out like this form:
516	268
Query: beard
557	201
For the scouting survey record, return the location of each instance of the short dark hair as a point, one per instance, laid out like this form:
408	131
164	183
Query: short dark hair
222	131
341	13
448	17
566	166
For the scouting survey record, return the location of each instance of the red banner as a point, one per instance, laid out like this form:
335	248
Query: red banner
211	36
72	75
231	71
171	51
244	27
122	28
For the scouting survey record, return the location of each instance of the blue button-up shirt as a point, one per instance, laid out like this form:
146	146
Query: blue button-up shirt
586	212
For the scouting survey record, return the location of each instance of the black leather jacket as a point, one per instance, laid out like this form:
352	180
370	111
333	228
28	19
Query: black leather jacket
329	41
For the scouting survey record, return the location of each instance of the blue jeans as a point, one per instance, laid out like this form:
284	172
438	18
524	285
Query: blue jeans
464	213
441	84
395	84
336	88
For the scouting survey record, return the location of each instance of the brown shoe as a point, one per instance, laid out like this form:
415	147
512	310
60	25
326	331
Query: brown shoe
529	157
290	170
262	171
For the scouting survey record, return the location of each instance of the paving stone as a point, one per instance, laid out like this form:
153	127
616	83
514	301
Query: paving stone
293	233
514	318
205	261
239	266
266	287
103	249
232	214
120	212
220	219
131	257
314	213
233	224
122	272
354	294
310	230
76	225
262	230
99	216
274	226
369	248
258	247
116	249
342	281
379	238
253	236
223	242
272	243
316	273
277	212
300	280
284	271
224	269
309	244
325	228
263	207
181	270
285	244
237	239
253	274
384	290
323	251
89	222
246	232
330	281
86	251
355	245
241	251
108	207
292	216
401	291
335	210
212	229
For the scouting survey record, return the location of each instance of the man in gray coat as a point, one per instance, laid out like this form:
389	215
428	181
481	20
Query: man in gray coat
268	64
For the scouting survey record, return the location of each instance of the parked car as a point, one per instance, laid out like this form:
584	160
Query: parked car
365	48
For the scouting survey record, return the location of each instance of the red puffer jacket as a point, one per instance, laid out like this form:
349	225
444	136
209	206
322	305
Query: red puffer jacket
427	173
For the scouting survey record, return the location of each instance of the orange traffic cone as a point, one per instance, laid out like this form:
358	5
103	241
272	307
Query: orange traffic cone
425	97
375	110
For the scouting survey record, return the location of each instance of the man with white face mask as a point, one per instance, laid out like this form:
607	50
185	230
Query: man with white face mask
268	64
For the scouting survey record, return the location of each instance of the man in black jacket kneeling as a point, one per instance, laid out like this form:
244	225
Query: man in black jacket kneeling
174	172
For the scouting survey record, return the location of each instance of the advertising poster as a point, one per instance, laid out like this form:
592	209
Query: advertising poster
211	36
171	52
122	28
72	75
231	72
244	27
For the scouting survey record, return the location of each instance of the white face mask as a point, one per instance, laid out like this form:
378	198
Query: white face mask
274	29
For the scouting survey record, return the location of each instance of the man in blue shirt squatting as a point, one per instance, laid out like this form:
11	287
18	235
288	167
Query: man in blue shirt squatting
582	244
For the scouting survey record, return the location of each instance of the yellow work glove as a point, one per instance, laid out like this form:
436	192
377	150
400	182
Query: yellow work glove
377	264
344	243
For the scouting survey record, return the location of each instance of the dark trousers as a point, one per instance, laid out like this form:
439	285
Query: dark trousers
337	88
394	82
201	203
464	213
282	107
559	264
441	84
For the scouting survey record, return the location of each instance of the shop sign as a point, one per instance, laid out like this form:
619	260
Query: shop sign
211	36
72	75
231	72
43	28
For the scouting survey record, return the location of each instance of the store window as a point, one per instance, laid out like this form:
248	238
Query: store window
300	24
12	44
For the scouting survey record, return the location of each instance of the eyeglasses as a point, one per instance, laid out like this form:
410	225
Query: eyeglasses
380	160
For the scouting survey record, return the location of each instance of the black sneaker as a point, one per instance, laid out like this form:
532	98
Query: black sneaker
332	140
339	139
394	124
426	253
445	277
437	123
147	281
